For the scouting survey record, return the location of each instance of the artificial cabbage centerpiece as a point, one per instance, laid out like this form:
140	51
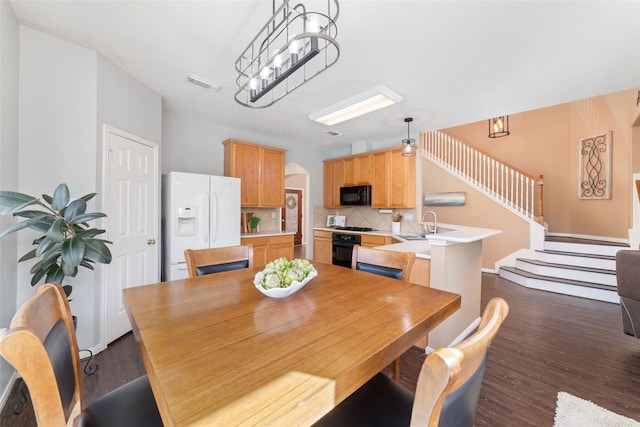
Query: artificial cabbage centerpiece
281	273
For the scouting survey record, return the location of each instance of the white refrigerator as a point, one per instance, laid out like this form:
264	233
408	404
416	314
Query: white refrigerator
199	211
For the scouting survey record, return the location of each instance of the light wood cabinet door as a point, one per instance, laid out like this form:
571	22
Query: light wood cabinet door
338	181
379	188
322	250
372	240
242	161
363	169
260	247
261	170
280	247
272	178
394	180
328	184
349	171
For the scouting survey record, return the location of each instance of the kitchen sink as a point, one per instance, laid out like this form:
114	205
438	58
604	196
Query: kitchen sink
421	237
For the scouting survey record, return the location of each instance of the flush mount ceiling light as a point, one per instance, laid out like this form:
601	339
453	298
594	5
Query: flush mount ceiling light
296	44
499	127
408	145
370	100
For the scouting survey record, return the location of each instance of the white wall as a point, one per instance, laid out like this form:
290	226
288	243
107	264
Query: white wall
9	57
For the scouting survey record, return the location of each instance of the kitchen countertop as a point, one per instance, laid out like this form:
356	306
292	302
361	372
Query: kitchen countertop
266	234
422	248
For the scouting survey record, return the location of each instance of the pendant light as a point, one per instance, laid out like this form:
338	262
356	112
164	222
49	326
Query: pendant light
498	127
408	145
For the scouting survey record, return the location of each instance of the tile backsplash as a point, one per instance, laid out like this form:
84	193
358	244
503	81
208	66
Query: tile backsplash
266	222
365	216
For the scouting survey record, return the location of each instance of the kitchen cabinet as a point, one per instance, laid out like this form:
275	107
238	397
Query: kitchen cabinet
268	248
357	170
322	246
373	240
261	170
333	180
393	180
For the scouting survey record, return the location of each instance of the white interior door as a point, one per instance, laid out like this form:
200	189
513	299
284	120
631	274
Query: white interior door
132	209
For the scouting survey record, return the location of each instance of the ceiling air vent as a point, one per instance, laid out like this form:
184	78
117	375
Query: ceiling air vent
199	81
334	133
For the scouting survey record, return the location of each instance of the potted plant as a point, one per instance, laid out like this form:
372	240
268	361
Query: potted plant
67	241
254	222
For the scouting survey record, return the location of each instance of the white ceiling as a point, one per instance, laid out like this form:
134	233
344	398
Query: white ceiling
454	62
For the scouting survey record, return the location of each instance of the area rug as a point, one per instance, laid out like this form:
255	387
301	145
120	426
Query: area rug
571	411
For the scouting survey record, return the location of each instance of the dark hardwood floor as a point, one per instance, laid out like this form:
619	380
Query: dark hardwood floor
548	343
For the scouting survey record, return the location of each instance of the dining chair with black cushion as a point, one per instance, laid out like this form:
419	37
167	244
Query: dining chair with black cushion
628	279
394	264
215	260
447	391
41	345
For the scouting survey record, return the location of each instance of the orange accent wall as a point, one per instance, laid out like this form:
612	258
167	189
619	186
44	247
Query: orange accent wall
478	211
546	142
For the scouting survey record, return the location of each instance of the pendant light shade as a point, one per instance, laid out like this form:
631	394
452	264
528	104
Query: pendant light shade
499	127
408	144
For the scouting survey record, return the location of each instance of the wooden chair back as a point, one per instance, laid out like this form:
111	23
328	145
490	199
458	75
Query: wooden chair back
453	375
41	345
386	263
215	260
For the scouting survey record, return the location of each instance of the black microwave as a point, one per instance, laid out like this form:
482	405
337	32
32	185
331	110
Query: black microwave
357	195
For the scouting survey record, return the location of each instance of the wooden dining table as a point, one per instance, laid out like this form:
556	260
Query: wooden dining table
219	352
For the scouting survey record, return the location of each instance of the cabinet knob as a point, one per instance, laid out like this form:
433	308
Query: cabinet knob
151	242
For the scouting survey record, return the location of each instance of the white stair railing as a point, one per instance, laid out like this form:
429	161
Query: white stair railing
515	189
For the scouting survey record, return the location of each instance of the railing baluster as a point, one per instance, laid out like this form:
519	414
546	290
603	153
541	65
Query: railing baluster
514	188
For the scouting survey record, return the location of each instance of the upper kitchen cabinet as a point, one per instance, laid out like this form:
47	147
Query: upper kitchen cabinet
261	170
393	180
344	172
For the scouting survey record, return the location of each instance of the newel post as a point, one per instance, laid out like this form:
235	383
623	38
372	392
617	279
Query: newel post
540	207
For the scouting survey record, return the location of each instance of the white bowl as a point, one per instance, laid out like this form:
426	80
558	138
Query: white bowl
283	292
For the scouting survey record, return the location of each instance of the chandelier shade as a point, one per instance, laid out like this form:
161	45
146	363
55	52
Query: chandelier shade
296	44
499	127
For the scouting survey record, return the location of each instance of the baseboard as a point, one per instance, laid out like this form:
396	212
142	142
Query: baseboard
466	333
7	391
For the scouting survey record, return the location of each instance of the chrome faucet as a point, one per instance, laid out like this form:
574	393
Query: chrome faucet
425	226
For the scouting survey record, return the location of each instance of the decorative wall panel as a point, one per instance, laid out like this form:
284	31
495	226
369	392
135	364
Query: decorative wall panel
594	173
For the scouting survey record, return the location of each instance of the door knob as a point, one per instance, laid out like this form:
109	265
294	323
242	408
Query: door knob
151	242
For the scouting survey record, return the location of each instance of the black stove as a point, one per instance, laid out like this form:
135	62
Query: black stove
355	228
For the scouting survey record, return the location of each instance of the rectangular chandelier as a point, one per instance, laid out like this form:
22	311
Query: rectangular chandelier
296	44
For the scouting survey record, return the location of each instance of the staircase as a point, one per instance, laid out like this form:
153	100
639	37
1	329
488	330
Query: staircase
580	267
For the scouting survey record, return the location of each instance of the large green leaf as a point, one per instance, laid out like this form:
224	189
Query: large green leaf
55	275
89	233
88	197
87	217
13	199
29	255
75	208
44	245
31	222
69	270
97	251
60	197
56	231
73	252
51	256
47	198
37	275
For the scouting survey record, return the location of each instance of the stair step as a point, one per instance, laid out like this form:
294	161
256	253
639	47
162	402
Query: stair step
580	273
561	285
605	262
586	246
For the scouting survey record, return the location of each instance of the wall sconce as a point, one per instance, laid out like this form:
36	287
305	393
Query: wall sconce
408	145
499	127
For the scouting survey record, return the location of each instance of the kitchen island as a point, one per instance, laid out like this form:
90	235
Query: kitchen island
269	245
456	266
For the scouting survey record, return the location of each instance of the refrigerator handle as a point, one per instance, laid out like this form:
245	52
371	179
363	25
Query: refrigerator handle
205	220
214	217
